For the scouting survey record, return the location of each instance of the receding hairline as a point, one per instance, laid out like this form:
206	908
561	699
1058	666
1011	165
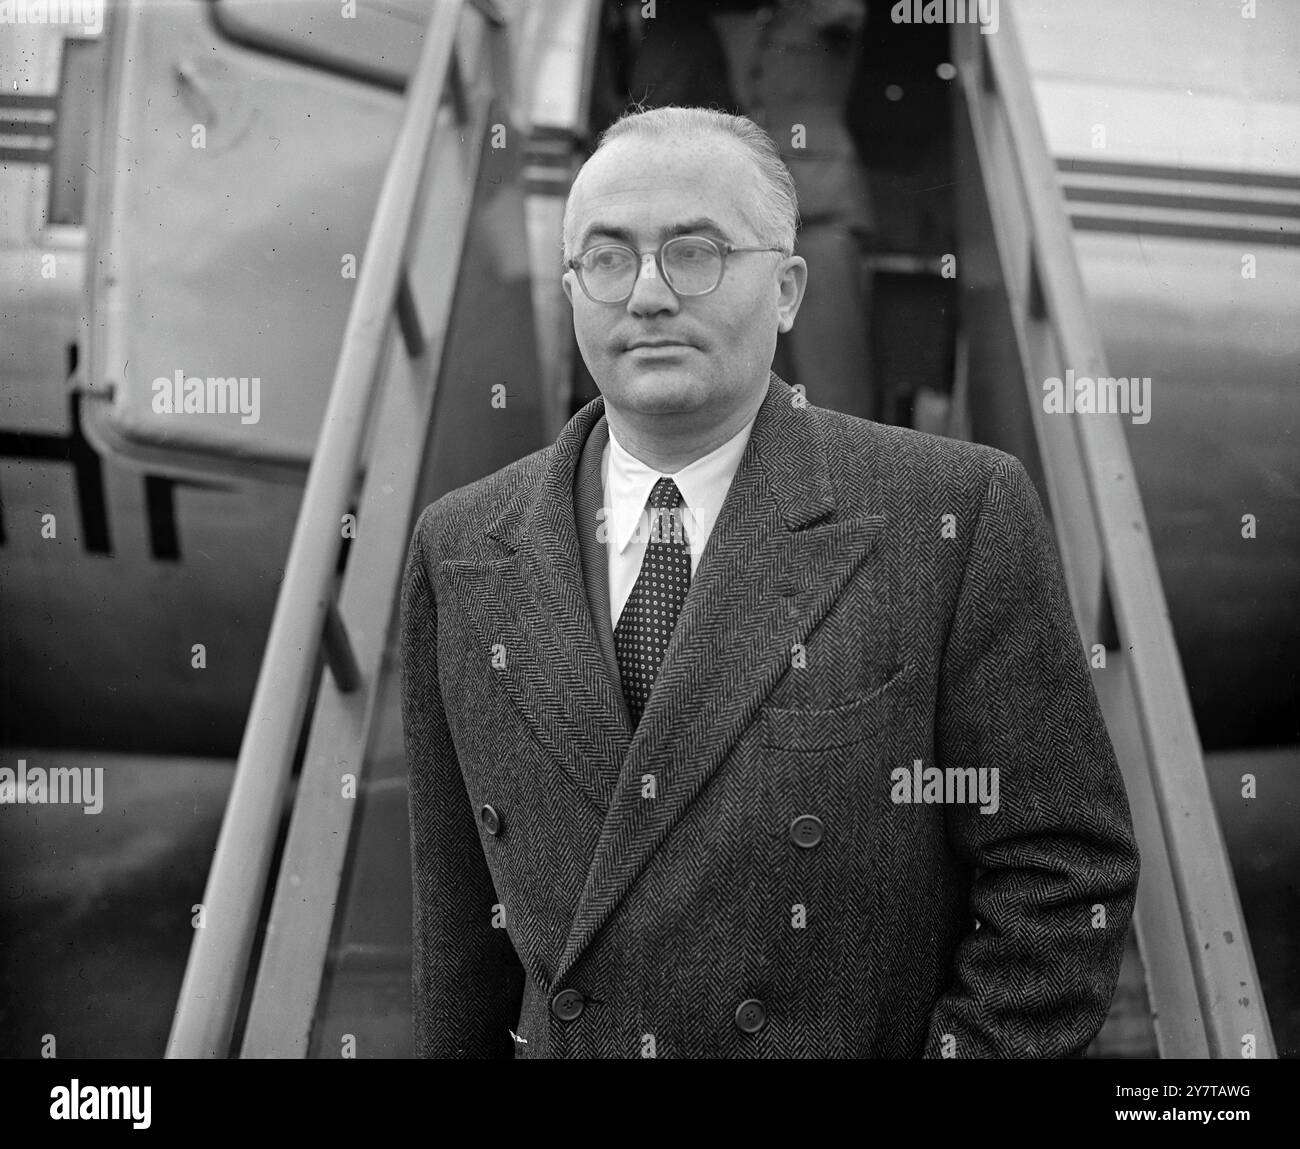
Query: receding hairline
695	138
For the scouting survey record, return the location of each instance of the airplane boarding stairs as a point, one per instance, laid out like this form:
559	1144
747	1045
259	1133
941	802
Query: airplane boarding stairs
329	973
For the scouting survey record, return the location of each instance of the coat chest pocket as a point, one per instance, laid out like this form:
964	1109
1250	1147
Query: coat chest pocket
825	728
827	764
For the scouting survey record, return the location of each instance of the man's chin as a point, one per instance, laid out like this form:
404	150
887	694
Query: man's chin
661	390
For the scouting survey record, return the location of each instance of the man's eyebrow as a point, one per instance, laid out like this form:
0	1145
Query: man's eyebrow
689	227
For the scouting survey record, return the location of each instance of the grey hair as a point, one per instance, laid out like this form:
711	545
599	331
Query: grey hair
777	210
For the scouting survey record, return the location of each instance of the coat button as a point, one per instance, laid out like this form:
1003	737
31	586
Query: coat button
806	831
750	1015
567	1004
491	820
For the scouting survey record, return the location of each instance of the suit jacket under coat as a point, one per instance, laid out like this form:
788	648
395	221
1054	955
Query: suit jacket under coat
834	631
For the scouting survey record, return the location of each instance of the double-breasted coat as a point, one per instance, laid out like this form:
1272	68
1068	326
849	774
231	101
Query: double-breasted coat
747	874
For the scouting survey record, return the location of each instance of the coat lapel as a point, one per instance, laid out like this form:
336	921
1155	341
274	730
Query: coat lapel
533	601
771	570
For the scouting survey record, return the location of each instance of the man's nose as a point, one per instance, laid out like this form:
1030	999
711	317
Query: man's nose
650	294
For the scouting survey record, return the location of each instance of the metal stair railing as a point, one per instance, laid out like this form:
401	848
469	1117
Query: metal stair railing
370	452
1201	976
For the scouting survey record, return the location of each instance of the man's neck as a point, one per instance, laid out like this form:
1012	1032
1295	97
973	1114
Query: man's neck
667	443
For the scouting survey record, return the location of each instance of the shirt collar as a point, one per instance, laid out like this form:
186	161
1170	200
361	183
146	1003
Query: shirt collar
703	483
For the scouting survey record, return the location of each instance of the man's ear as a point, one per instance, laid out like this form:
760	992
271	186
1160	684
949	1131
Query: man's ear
566	282
793	280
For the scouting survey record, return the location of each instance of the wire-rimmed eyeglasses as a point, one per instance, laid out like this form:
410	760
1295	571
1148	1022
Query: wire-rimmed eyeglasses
689	264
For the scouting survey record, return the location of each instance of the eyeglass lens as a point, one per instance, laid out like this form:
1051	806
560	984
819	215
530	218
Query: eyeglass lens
691	265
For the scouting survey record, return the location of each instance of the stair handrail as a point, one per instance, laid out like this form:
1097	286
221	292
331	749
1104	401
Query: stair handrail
306	619
1208	974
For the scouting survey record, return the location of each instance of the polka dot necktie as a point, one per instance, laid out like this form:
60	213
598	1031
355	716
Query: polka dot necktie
647	621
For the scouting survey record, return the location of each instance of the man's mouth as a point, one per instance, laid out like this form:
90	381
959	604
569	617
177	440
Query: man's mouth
658	345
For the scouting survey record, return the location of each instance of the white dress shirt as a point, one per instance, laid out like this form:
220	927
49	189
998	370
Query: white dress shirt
627	483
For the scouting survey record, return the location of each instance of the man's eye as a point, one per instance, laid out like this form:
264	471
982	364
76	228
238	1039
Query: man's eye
607	260
694	252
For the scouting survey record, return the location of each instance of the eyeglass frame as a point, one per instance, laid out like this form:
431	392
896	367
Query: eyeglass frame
724	250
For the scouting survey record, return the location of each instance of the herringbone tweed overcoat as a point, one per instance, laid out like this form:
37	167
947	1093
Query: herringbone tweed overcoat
870	598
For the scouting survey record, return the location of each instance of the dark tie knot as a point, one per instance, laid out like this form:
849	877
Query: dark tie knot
664	512
665	495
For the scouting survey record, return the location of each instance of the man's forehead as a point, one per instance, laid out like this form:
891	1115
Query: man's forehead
660	187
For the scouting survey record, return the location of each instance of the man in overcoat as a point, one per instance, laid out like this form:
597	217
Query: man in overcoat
738	727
